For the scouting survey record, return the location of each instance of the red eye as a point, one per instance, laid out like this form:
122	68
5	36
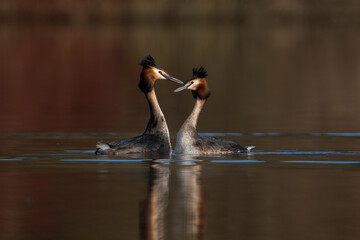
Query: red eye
192	82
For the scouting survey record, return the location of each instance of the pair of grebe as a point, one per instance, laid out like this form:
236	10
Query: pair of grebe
156	138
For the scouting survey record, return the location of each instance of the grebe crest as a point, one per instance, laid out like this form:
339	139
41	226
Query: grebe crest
188	141
197	84
152	72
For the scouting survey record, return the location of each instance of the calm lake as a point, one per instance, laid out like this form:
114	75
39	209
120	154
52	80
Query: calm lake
283	78
294	186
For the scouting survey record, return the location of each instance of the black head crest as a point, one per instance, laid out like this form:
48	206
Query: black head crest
148	61
199	73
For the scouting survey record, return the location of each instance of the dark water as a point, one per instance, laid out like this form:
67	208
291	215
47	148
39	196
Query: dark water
294	186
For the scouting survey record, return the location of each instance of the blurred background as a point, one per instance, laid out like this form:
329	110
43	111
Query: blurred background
273	66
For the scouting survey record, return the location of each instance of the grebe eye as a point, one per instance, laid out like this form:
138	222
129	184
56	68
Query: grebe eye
191	82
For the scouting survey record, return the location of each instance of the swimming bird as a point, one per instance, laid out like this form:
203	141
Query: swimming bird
188	140
155	139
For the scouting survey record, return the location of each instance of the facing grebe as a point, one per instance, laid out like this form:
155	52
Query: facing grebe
188	141
155	139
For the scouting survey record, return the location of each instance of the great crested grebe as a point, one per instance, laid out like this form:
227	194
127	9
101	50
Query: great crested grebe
155	139
188	141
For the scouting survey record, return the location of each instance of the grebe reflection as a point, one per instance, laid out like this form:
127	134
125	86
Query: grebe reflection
170	214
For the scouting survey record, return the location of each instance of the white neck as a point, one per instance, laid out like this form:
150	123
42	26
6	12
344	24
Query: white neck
191	121
187	134
157	123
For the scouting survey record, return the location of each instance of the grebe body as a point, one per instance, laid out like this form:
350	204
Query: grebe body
156	138
188	140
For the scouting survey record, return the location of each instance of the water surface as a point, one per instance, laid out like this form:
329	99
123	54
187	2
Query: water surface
293	186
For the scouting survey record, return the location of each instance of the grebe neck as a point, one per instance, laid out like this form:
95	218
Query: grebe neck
191	121
157	123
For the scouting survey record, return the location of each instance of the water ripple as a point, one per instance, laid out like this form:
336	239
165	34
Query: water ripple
105	160
348	134
11	159
236	161
290	152
274	134
322	162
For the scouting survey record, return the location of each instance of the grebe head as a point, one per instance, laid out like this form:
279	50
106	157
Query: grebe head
152	72
197	84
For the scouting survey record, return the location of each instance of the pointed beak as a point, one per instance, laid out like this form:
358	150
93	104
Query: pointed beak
181	88
171	78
